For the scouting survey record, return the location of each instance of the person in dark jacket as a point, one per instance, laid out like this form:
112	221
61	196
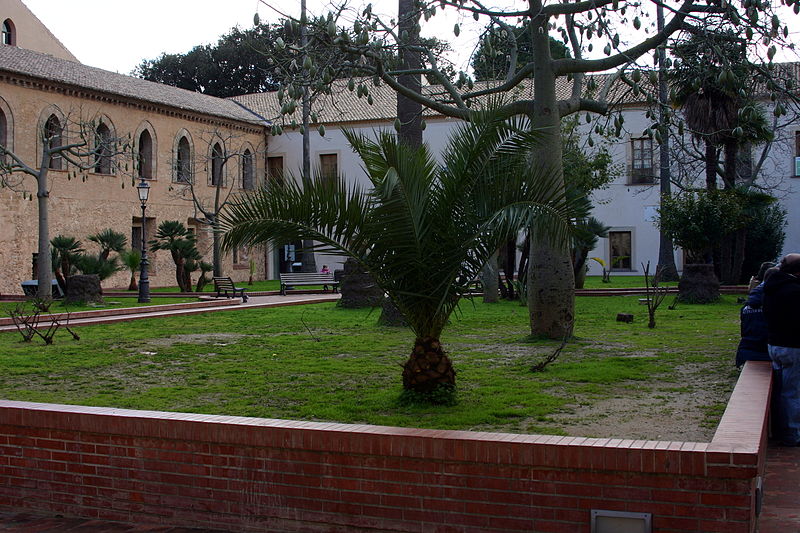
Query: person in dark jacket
753	345
782	311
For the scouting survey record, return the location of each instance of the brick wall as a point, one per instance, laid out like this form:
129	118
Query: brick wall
257	474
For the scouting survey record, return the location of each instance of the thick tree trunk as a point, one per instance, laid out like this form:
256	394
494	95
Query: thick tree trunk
43	260
489	281
428	367
132	286
551	283
409	112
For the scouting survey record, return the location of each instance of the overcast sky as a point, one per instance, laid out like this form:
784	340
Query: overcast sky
116	35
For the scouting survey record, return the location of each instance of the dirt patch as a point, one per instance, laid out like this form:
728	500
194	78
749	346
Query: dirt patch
686	409
197	338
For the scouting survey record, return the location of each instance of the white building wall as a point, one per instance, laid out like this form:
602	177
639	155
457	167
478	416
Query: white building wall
621	206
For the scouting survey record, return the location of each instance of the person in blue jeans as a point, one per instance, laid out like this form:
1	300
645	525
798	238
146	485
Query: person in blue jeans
782	312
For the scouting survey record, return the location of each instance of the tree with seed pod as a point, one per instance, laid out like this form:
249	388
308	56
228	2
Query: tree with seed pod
67	143
593	32
424	229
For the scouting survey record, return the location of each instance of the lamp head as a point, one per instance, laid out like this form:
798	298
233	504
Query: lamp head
143	188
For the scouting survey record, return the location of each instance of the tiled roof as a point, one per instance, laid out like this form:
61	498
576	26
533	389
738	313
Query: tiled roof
37	65
344	106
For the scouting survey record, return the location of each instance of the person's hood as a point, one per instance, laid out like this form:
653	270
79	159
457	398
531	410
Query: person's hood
778	280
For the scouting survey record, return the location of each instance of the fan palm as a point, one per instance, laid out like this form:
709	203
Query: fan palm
132	259
180	242
109	241
423	230
64	252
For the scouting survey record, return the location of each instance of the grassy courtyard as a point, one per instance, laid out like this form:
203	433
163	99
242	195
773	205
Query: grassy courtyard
320	362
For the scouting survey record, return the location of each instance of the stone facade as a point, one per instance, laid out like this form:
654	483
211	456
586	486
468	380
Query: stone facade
90	202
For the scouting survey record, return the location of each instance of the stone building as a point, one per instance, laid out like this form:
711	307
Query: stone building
178	137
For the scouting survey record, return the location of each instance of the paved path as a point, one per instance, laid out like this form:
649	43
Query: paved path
253	302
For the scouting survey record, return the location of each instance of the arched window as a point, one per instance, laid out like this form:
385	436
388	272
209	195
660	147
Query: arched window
102	150
52	139
183	162
247	170
9	34
3	132
217	163
145	155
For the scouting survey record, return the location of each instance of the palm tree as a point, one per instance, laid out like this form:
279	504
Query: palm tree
64	251
423	230
132	259
180	242
109	241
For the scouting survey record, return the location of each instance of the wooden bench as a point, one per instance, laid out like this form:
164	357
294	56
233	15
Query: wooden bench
307	278
225	287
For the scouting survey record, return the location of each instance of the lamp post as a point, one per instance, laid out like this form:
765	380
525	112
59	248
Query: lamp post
143	188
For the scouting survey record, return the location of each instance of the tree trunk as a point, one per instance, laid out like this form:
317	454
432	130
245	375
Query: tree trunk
132	286
216	249
308	259
666	249
409	112
489	281
698	284
551	283
44	260
711	166
428	367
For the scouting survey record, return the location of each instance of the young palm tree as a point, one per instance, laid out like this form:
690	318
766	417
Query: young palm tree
64	252
109	241
132	259
180	242
424	230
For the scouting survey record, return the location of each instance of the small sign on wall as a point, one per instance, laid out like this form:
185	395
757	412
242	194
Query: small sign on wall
651	213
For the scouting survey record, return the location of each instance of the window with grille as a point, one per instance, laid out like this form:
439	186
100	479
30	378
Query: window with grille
642	170
328	166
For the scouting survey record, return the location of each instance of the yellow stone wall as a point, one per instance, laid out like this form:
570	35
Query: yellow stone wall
93	202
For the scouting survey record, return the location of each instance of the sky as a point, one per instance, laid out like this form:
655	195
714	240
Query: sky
116	35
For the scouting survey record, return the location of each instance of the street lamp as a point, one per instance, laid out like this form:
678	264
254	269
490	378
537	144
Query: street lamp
143	188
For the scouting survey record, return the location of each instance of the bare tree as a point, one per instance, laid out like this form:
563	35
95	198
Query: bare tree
227	170
66	142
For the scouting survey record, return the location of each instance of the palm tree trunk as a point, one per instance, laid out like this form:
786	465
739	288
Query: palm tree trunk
132	286
428	367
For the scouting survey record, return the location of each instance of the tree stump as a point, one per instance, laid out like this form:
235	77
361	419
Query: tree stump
358	288
83	288
698	285
390	315
625	317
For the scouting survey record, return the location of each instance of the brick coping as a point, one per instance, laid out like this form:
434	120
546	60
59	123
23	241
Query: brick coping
145	309
740	440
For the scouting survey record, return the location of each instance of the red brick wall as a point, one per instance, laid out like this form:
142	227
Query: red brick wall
256	474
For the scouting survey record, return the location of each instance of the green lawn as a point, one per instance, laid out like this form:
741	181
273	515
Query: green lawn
320	362
617	281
